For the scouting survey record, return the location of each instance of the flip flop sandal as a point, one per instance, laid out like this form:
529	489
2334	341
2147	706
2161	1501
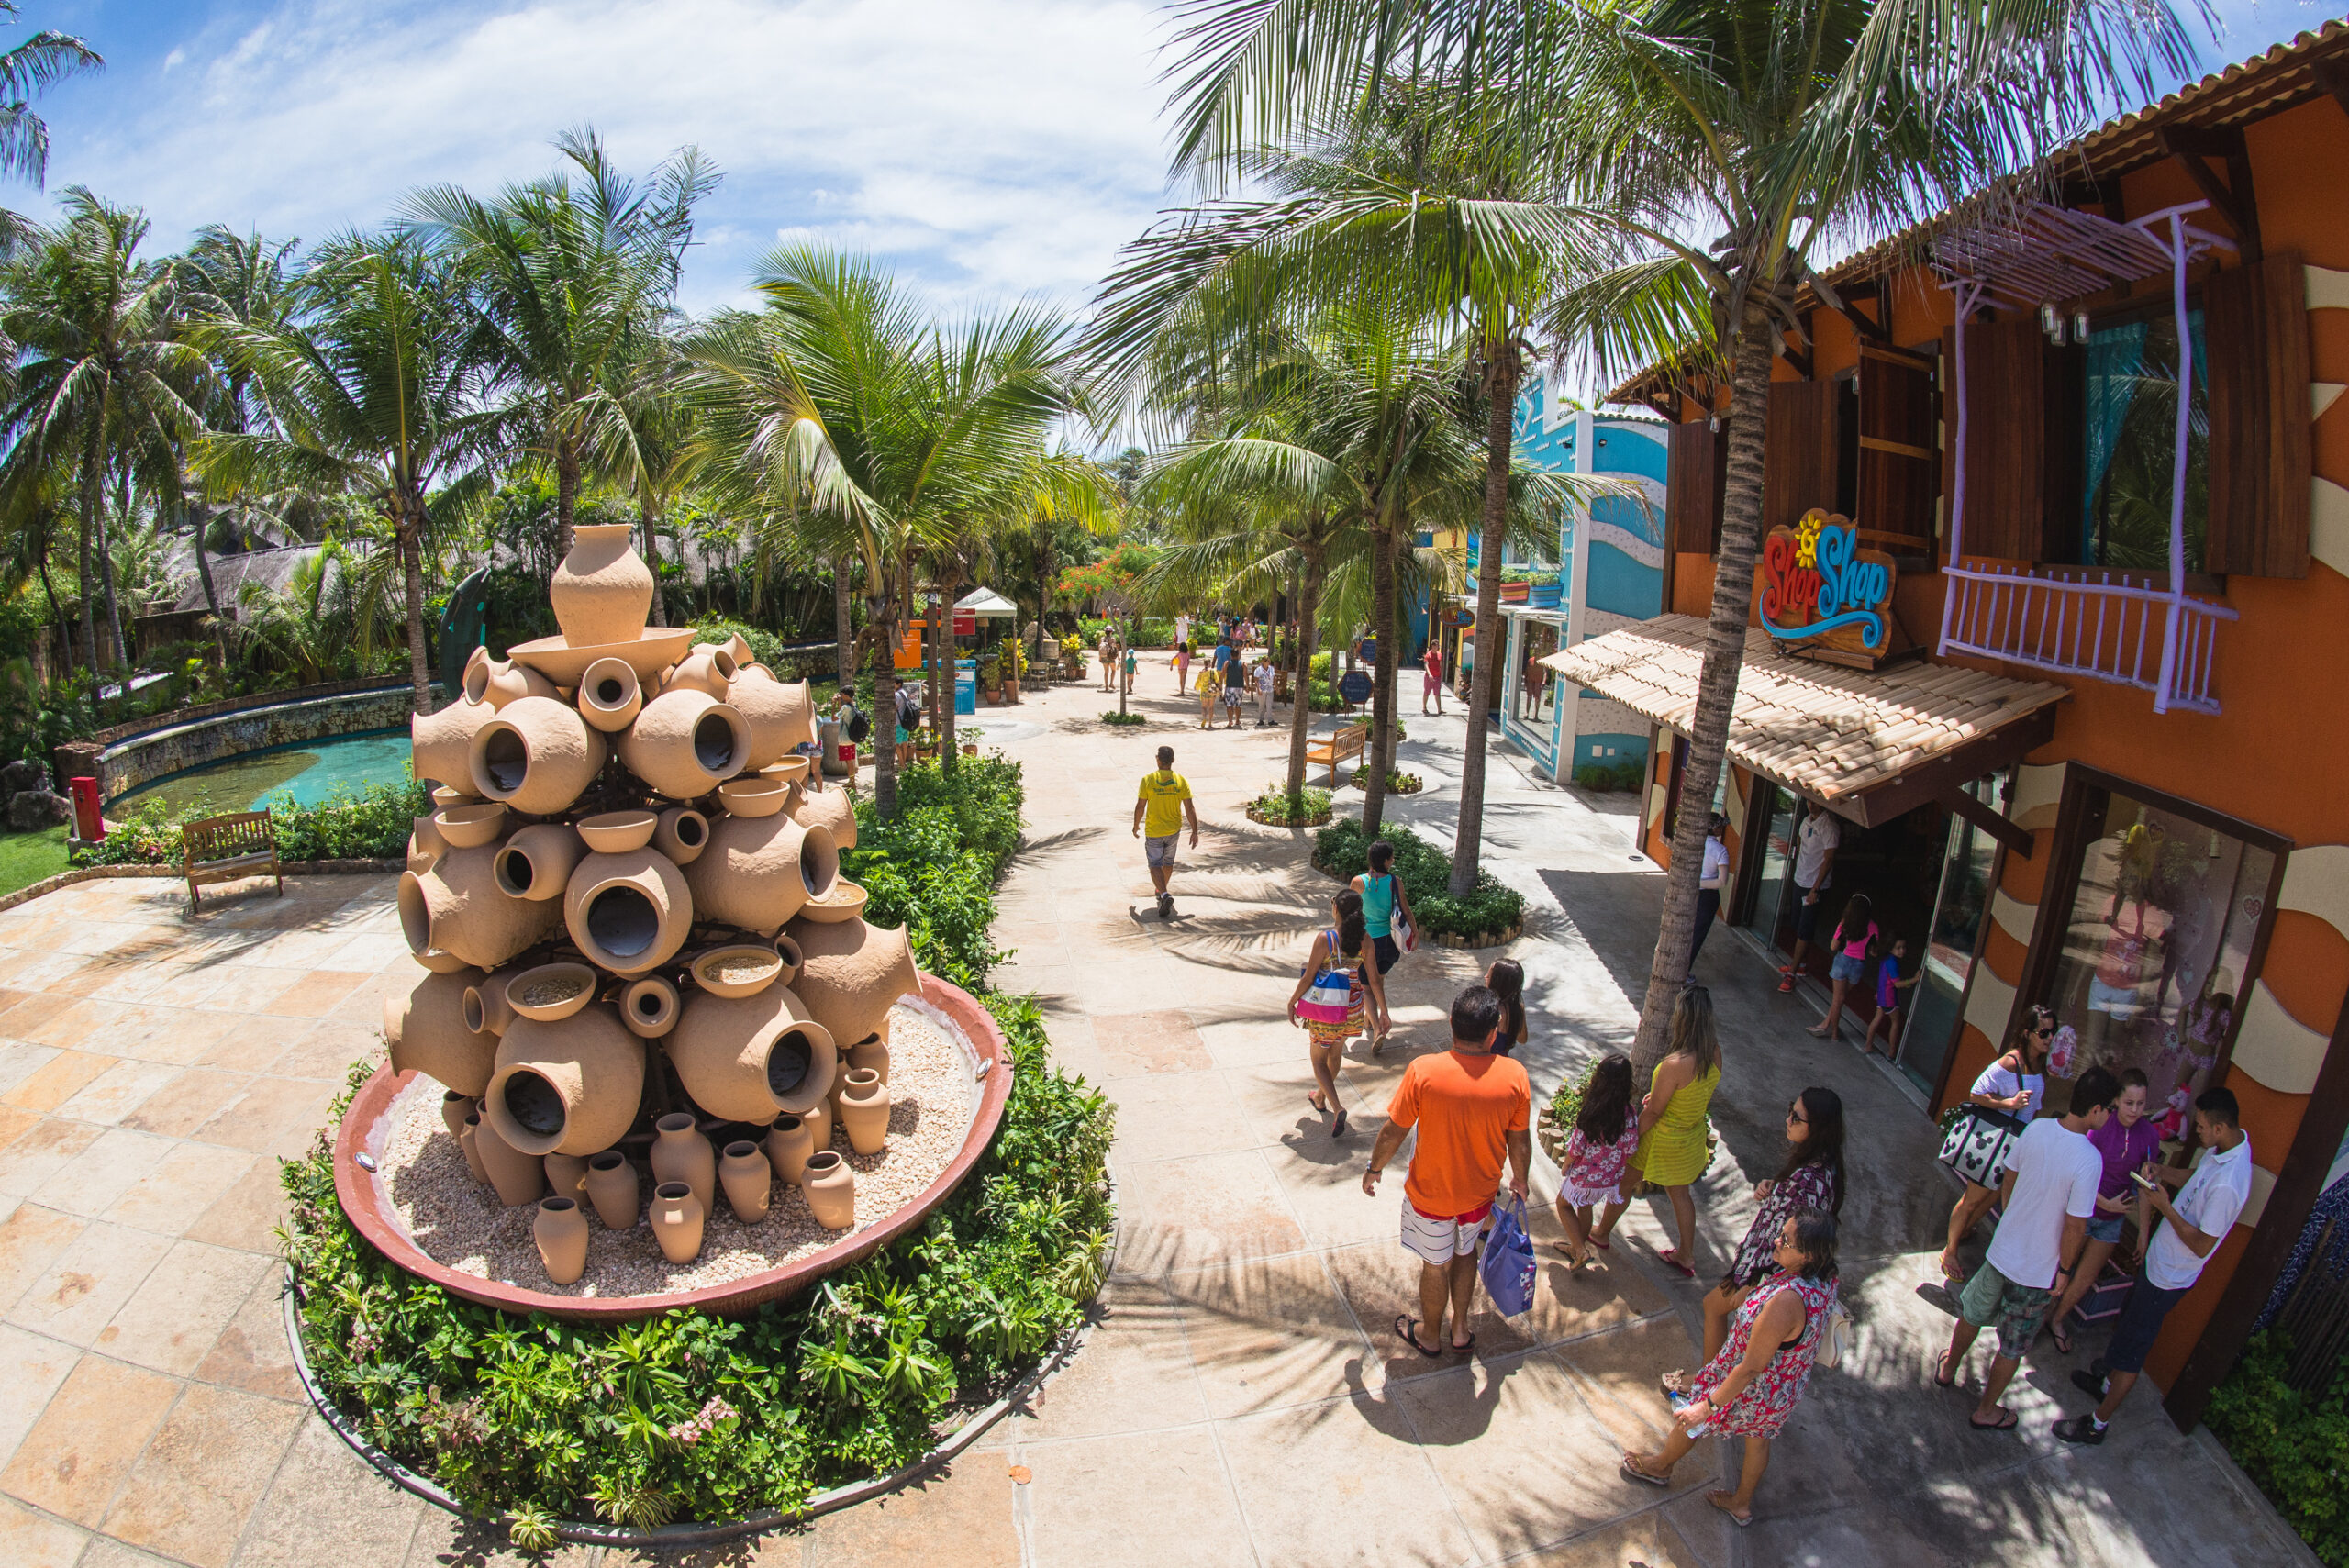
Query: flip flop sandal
1601	1243
1464	1349
1314	1099
2006	1424
1739	1520
2062	1337
1337	1128
1630	1471
1407	1328
1670	1258
1940	1359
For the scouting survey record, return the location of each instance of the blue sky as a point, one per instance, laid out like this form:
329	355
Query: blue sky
989	147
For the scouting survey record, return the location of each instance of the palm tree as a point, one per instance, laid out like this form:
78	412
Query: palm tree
646	441
376	381
27	70
575	280
1784	127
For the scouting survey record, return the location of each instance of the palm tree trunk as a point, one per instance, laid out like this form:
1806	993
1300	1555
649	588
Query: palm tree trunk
843	628
566	493
114	604
408	536
89	584
1382	697
885	700
1503	366
1716	685
1300	712
204	575
939	645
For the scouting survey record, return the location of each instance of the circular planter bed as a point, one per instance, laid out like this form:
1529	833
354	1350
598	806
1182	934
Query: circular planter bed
1402	783
1318	819
1477	938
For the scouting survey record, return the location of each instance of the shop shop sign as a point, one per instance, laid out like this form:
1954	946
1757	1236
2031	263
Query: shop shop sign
1820	590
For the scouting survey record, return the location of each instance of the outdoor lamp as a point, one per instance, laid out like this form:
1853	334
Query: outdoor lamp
2079	327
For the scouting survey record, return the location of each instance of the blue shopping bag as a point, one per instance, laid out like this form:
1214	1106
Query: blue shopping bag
1506	1261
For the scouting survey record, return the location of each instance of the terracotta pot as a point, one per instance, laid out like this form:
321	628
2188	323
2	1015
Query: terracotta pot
537	862
844	902
831	1187
684	743
708	967
680	1153
871	1055
758	870
566	1175
748	1179
852	974
610	694
751	1058
864	1110
818	1117
497	682
536	755
781	717
683	835
440	745
440	962
576	984
486	1009
617	832
678	1214
787	951
612	1188
458	907
789	1143
560	1231
425	845
649	1007
739	647
471	827
708	669
425	1031
791	770
454	1109
465	1136
834	810
629	913
755	796
477	659
519	1176
753	668
565	1088
602	591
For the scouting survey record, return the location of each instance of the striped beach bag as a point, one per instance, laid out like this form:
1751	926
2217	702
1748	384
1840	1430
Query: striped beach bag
1329	996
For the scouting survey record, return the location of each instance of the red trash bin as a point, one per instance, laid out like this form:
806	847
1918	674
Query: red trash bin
89	822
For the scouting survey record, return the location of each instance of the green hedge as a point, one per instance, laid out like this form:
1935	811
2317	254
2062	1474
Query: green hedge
372	825
1342	849
933	869
2295	1447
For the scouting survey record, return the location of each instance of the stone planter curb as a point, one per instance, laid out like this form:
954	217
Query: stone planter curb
170	872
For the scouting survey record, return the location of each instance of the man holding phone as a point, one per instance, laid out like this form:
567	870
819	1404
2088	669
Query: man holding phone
2199	1218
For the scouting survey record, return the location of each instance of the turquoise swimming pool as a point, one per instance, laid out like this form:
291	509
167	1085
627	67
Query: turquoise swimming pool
311	772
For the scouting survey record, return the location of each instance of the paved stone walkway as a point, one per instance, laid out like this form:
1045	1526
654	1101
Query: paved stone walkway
1241	1400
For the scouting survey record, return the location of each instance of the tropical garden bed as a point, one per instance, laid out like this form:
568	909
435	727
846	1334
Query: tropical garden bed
1493	913
1278	809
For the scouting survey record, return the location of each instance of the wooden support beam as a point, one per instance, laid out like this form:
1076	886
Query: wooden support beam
2005	831
2234	197
1869	329
2332	76
1793	356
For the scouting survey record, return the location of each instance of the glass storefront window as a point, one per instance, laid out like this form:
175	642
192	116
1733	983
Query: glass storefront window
1538	687
1951	947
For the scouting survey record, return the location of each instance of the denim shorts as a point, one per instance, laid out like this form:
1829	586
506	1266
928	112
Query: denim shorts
2106	1227
1847	969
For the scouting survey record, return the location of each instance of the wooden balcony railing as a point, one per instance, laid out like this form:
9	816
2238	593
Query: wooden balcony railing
2153	639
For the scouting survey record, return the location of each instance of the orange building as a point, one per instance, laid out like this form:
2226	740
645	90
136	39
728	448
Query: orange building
2093	749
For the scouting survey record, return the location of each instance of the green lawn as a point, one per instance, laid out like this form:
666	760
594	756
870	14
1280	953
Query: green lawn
26	858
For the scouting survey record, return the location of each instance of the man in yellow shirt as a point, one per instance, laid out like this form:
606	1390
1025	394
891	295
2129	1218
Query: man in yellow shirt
1163	806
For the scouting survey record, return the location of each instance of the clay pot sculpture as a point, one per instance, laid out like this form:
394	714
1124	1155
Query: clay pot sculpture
753	1058
517	1176
757	796
560	1231
678	1213
551	992
443	798
537	862
612	1188
748	1179
498	682
566	1174
844	902
870	1055
739	647
458	907
708	669
683	835
465	1136
488	1011
610	694
781	717
426	1030
471	827
617	832
852	974
565	1088
831	1187
834	810
680	1153
629	913
536	755
602	591
864	1110
649	1007
684	743
425	845
789	1143
440	962
441	743
758	870
454	1109
740	969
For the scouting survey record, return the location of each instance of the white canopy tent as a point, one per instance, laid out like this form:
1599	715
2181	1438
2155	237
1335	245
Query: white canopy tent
987	604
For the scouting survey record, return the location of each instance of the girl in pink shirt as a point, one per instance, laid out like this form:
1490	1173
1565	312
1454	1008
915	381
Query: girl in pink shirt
1853	941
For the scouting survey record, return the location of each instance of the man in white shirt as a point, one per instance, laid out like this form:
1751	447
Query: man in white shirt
1815	844
1711	878
2046	1197
2204	1211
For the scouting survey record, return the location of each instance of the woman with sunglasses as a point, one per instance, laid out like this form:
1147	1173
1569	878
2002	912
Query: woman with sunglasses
2015	1084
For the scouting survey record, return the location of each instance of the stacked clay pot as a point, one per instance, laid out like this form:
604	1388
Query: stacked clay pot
632	933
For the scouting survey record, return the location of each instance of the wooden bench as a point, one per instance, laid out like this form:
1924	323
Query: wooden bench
229	849
1344	745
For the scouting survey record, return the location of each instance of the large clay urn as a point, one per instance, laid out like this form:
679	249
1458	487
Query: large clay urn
536	755
680	1153
537	862
498	682
831	1187
781	717
684	743
759	871
751	1058
748	1179
441	743
864	1110
789	1143
627	912
852	974
459	907
570	1087
612	1188
560	1231
834	810
678	1213
518	1177
610	694
427	1033
708	668
602	591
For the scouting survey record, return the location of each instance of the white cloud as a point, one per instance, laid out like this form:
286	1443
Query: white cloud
992	148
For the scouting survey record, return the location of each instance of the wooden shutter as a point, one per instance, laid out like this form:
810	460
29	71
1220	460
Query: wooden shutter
2022	442
1900	459
1800	467
1694	475
2255	332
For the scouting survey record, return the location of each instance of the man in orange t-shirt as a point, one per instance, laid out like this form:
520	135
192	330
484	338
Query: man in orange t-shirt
1473	1110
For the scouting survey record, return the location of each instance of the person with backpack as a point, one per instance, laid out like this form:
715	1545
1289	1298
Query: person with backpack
1336	993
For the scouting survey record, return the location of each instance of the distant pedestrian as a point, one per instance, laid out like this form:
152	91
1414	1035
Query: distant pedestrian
1505	978
1889	984
1182	629
1431	681
2046	1199
1109	659
1607	1129
1853	944
1182	663
1263	679
1130	659
1711	877
1814	849
2010	1090
1473	1111
1339	955
1752	1385
1209	685
2127	1143
1672	1151
1161	808
1235	683
2206	1209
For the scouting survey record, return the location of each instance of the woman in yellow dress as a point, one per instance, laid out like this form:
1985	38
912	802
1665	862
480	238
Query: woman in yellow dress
1672	1152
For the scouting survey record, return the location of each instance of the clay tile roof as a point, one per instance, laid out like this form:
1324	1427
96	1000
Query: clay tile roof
1830	732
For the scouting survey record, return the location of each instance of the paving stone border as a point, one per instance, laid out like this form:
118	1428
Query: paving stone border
170	872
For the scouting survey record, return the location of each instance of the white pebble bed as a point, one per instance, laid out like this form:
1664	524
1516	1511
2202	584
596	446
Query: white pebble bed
459	1223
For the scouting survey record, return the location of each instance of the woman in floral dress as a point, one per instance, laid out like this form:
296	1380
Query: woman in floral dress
1750	1386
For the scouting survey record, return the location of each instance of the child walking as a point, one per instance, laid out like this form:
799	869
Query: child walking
1607	1129
1888	986
1853	941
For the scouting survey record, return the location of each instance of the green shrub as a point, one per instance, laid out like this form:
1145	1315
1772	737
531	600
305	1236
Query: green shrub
1622	773
1126	720
766	648
372	825
933	869
2294	1446
1279	807
1342	851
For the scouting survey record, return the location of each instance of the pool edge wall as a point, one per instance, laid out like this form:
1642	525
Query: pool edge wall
135	756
